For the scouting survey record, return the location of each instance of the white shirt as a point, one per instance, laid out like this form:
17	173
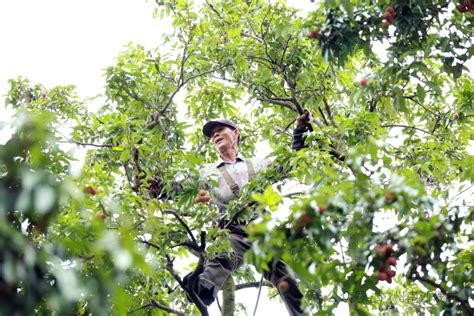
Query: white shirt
237	170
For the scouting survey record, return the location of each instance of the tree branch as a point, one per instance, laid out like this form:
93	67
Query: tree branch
408	126
183	223
277	102
71	141
464	303
328	110
252	284
155	304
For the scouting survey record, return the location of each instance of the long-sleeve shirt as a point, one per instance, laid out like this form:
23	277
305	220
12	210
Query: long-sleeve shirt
239	171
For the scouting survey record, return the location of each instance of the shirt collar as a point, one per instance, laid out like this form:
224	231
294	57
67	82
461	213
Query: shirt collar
221	162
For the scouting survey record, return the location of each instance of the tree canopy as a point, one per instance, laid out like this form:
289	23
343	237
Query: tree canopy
386	178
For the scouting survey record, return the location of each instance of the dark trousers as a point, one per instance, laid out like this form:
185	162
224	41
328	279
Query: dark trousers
217	270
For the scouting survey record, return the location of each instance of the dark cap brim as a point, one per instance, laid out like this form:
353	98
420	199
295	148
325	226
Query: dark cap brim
207	128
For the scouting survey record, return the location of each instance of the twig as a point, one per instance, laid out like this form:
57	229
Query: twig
238	213
452	296
408	126
149	244
322	115
180	220
328	110
154	303
71	141
454	197
258	296
252	284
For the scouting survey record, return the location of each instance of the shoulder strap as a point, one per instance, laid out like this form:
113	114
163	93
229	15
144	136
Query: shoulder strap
234	187
250	169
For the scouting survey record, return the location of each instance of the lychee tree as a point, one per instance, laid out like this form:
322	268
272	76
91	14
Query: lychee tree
383	185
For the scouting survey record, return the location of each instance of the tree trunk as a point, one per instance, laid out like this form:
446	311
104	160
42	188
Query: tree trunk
228	296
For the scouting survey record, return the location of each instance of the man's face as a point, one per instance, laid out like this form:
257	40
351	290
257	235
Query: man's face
224	137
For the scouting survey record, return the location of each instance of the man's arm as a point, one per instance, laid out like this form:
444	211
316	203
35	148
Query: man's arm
157	190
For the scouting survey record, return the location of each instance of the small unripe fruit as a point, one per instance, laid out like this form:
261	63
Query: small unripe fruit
101	215
322	209
391	273
392	261
90	190
363	82
283	286
252	229
202	192
455	116
381	276
390	197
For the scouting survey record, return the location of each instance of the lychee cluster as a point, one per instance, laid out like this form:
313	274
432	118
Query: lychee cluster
384	254
388	16
466	6
203	197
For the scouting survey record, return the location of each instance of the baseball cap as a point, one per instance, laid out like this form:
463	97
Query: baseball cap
207	128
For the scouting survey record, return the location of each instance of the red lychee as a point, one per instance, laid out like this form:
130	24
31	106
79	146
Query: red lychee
283	286
90	190
392	261
314	34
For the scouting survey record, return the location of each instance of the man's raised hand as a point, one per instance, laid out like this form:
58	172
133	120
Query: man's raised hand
202	197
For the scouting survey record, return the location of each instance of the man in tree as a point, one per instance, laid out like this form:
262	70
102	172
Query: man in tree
231	172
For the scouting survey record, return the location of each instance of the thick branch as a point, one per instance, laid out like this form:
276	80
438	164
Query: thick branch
277	102
194	297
